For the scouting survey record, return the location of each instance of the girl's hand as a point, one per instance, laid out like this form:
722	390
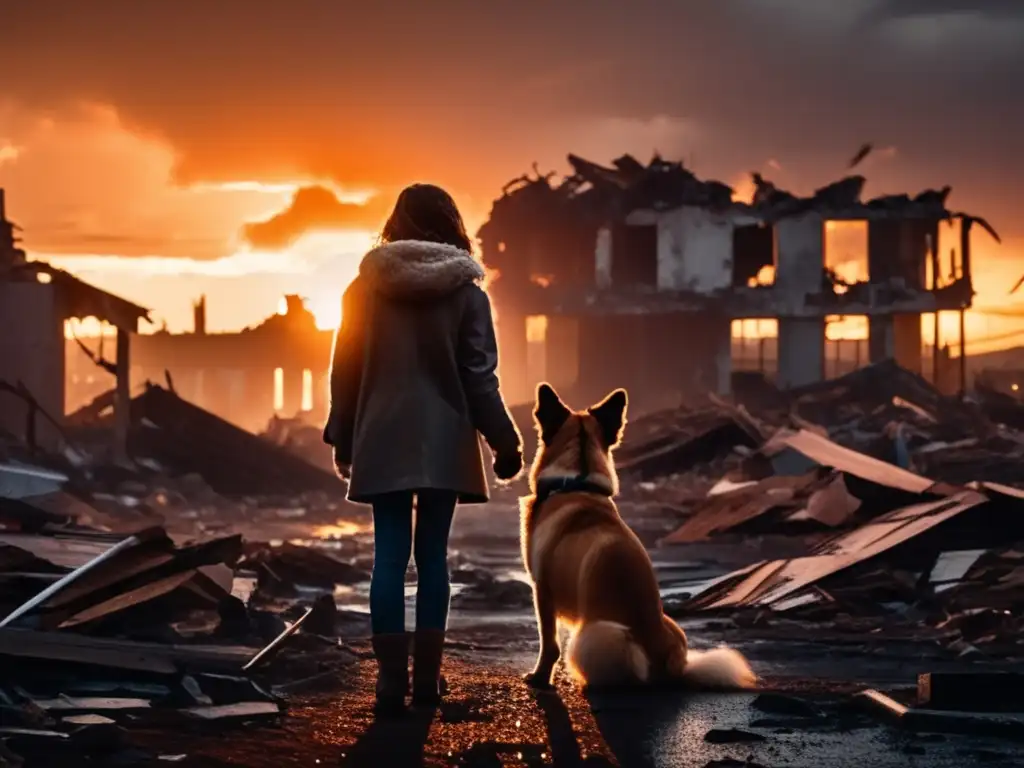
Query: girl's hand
344	470
508	466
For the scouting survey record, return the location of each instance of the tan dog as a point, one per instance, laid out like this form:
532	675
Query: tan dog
590	571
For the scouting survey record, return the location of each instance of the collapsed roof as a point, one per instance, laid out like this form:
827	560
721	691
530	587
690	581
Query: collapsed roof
597	192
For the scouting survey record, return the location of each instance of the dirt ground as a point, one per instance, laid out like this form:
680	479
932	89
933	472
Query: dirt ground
491	718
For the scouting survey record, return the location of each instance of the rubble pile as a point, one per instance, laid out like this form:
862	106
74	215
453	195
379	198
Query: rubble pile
903	499
128	595
301	438
169	435
101	630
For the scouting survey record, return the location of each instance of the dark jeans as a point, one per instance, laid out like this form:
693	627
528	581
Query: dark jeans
392	546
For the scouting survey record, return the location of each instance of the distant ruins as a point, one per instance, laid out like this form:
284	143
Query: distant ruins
632	275
639	271
35	301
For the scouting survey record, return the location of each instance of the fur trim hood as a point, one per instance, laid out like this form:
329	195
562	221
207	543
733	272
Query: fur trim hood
415	269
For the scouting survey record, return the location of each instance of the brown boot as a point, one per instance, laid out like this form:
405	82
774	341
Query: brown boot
427	684
392	652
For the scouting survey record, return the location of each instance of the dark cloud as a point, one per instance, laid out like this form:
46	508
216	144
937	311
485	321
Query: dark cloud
905	8
468	94
312	209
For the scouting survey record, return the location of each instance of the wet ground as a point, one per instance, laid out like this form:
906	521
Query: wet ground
491	719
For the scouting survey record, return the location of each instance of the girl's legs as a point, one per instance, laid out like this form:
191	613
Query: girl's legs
392	545
434	513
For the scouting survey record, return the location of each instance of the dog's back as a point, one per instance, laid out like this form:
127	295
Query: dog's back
601	582
590	571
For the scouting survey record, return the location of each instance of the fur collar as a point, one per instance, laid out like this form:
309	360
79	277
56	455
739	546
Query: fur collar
415	269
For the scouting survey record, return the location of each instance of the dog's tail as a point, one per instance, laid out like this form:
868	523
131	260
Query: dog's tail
718	669
604	653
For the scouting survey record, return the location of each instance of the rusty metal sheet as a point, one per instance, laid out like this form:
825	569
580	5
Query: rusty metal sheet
725	511
827	453
64	550
999	488
775	581
832	505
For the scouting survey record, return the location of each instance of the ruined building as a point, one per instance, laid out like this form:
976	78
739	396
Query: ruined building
633	275
280	365
35	301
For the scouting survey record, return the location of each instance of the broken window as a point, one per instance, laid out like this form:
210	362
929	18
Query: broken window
846	344
278	390
634	255
755	345
846	252
536	347
307	390
753	255
902	249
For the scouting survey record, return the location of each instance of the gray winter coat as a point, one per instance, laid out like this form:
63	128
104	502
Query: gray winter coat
413	376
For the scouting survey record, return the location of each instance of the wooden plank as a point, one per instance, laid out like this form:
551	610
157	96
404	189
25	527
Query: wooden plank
121	654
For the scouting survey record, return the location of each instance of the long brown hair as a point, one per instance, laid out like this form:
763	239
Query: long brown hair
426	212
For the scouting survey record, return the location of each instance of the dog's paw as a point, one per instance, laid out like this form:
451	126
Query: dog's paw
539	681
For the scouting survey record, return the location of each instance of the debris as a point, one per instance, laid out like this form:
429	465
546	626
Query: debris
19	482
731	736
781	704
186	439
971	691
277	641
152	658
877	703
89	704
247	710
494	593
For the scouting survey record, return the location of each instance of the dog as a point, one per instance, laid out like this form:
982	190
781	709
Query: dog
592	574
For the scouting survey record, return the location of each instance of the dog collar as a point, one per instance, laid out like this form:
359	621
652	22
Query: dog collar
547	487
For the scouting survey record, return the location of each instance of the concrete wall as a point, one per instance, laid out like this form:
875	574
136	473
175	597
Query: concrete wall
706	240
32	352
800	242
897	337
801	351
603	258
694	248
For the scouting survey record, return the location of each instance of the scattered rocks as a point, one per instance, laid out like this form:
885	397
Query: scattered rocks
492	594
782	704
731	736
731	762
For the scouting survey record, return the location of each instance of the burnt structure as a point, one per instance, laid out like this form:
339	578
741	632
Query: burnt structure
634	273
35	301
244	377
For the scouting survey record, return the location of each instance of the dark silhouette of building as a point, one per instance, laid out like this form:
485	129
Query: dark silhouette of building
35	301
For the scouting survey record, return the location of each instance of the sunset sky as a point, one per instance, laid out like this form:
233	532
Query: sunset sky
247	148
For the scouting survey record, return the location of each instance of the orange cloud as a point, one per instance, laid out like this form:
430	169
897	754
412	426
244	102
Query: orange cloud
81	182
313	209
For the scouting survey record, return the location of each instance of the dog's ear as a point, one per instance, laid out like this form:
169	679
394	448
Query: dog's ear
550	412
610	415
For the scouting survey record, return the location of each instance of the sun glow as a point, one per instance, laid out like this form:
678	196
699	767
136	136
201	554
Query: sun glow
242	289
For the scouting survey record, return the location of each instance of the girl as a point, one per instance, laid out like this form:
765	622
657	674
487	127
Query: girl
412	383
